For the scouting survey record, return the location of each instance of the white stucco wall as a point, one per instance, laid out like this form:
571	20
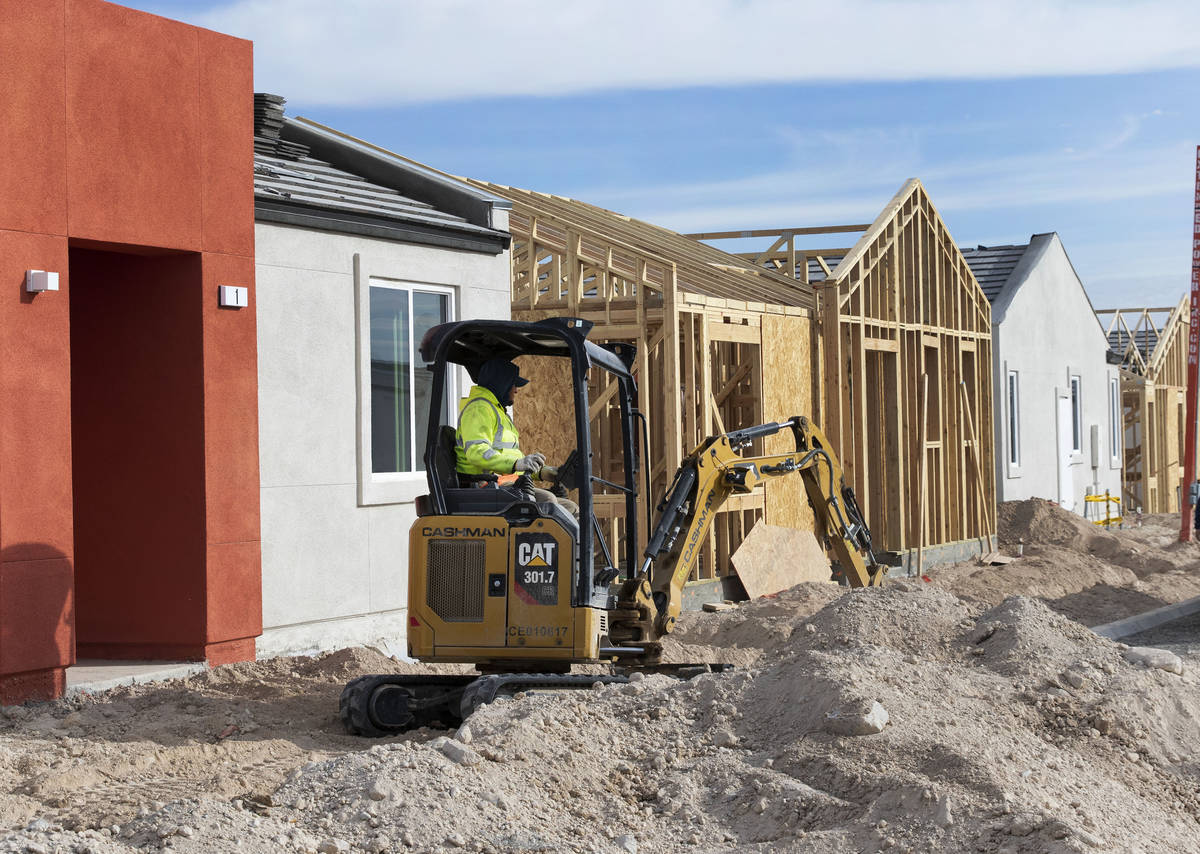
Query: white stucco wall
335	561
1046	330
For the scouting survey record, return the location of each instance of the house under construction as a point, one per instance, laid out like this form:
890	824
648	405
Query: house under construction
1151	344
903	350
886	344
720	343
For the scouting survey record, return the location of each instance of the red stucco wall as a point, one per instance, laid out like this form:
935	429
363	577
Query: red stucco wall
129	133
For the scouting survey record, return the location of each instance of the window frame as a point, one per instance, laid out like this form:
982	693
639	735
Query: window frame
392	487
1012	431
1075	391
1116	428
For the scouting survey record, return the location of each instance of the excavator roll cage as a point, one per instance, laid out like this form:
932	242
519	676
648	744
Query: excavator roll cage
470	343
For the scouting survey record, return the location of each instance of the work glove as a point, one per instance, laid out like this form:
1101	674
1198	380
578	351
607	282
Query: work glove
530	463
548	473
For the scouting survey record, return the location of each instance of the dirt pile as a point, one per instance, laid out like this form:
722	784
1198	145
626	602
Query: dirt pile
742	635
900	719
1090	574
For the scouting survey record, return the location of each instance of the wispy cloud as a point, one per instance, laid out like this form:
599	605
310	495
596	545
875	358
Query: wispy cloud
1109	170
377	52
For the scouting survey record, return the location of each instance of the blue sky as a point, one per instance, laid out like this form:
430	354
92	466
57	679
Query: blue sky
1020	118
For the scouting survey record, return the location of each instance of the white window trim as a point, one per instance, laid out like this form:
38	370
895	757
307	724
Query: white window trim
376	488
1116	415
1011	419
1075	381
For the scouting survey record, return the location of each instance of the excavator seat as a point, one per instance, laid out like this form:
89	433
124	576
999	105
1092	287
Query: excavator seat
465	500
488	499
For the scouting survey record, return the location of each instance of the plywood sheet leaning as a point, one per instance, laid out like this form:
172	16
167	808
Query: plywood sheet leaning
1152	346
774	558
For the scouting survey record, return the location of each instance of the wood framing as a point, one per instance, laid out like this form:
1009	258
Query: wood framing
1152	346
847	336
898	307
722	343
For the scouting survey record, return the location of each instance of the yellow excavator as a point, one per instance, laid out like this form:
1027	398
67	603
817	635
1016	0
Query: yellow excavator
523	590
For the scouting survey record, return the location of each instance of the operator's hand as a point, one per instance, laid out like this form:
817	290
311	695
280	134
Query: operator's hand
530	463
548	473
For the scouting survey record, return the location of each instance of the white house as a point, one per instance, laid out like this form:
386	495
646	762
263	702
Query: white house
358	253
1057	397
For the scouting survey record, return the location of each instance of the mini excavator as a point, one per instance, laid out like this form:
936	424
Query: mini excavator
522	589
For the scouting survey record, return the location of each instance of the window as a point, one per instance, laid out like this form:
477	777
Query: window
1014	419
1076	417
400	315
1114	419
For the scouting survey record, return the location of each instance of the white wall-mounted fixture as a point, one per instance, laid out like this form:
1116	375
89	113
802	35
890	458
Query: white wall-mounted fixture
37	281
234	296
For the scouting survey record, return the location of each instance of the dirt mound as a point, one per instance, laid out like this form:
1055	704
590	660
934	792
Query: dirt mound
907	618
1091	575
1047	572
1042	522
942	717
897	719
743	634
1023	638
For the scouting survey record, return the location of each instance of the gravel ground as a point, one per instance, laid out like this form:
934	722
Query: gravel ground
951	716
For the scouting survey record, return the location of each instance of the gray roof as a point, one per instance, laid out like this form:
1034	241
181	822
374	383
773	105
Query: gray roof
1145	339
310	176
992	265
310	183
815	273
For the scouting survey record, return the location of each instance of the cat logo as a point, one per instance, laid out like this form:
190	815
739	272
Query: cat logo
535	578
536	554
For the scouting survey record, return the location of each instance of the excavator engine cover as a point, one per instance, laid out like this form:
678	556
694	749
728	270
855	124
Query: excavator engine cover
485	590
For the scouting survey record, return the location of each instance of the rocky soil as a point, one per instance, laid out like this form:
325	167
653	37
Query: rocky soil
1083	571
946	717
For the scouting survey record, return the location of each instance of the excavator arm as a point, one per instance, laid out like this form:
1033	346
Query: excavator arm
650	601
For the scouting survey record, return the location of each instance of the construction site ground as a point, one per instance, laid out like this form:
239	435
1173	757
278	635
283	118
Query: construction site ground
974	711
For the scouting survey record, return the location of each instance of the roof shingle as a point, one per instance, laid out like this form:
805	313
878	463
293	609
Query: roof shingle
992	265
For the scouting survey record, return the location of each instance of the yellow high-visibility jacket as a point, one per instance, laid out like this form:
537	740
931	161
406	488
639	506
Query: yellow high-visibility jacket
486	437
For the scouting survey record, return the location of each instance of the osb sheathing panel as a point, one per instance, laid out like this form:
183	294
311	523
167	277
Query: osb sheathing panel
542	410
787	391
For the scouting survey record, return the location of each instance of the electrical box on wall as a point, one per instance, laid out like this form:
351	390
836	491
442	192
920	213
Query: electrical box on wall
234	296
37	281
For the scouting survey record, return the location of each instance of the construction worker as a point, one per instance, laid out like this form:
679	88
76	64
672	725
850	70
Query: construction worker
487	440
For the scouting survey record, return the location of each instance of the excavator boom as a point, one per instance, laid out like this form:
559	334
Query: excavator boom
650	601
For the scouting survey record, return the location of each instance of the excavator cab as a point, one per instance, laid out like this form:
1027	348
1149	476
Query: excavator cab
495	577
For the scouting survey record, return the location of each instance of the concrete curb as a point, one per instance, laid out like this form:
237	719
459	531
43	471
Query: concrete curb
1148	620
102	683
